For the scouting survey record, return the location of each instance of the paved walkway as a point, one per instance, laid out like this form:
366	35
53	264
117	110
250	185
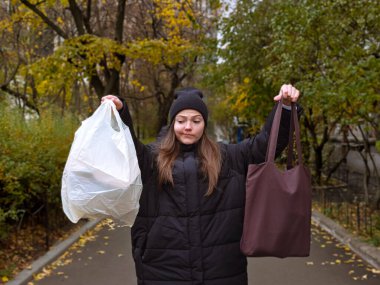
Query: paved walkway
102	256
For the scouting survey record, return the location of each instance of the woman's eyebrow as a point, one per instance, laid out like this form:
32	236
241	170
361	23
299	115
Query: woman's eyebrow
191	117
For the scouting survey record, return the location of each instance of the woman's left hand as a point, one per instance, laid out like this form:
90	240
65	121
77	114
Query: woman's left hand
115	100
289	93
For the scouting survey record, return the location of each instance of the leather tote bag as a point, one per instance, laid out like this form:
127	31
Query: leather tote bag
278	202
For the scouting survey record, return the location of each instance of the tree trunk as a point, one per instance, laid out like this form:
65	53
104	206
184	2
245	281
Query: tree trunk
163	112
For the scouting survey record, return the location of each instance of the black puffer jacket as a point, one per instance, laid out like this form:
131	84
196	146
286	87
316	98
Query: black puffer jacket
182	237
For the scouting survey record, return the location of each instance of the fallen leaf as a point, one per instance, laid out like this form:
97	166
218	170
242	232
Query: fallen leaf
375	271
39	276
101	252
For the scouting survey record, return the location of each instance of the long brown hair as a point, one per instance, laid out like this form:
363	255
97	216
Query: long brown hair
208	154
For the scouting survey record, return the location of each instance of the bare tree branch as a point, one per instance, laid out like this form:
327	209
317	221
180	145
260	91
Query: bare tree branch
78	16
120	21
11	77
88	16
50	23
20	96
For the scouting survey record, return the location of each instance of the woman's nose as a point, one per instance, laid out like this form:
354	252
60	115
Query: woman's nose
188	126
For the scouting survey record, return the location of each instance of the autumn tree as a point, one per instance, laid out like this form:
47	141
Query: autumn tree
141	49
328	49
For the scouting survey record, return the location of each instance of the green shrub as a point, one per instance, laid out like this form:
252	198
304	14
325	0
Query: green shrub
33	153
378	146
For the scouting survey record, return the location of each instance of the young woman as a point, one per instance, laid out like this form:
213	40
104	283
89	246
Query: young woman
191	213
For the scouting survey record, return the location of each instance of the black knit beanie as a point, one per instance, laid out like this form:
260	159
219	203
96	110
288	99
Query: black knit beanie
188	98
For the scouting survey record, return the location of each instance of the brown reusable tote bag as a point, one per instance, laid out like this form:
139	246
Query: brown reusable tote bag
278	203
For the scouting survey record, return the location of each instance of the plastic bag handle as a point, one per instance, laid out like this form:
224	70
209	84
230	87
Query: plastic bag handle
115	113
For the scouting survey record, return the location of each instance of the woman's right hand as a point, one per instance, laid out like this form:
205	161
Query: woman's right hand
115	100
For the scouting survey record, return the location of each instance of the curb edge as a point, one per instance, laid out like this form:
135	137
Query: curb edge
55	251
369	253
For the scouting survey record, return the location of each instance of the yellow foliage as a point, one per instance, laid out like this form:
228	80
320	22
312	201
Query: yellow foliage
157	51
60	21
78	58
176	15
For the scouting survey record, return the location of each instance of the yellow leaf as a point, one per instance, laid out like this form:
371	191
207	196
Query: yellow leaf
375	271
39	276
4	279
59	20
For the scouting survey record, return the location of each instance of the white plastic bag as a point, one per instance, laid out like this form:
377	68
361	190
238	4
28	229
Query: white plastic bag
102	177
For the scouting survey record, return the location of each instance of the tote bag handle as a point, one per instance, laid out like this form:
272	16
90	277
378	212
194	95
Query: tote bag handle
271	149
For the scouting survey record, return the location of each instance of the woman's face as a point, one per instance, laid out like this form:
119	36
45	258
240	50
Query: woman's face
188	126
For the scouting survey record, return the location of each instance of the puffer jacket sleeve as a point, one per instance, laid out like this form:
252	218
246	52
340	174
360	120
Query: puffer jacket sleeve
253	150
144	152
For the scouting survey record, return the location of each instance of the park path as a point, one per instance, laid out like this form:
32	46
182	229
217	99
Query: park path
102	256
